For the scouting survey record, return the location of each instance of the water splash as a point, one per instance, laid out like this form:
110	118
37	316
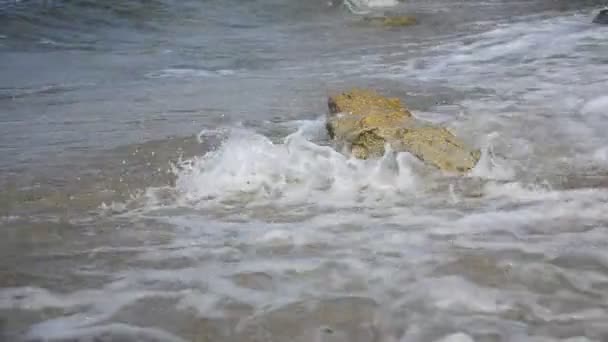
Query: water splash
489	165
361	7
251	167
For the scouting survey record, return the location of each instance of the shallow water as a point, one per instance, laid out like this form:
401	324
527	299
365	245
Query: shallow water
166	176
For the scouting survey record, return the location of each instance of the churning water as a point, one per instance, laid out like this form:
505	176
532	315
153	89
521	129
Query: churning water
166	174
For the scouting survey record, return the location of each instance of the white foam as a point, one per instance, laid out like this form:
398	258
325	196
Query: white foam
100	309
277	237
600	155
365	6
251	168
519	191
30	298
9	218
458	337
454	293
205	304
46	41
553	339
379	3
598	105
113	207
189	73
115	329
578	339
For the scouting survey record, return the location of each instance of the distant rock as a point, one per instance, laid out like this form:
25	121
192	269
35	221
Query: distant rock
364	122
392	21
601	17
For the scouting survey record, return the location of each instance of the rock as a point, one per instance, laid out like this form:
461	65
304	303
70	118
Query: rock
439	147
392	21
354	113
601	17
365	122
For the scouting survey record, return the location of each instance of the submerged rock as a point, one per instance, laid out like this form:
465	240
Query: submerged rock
601	17
365	122
392	21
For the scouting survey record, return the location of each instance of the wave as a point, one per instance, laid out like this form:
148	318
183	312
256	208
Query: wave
303	169
252	167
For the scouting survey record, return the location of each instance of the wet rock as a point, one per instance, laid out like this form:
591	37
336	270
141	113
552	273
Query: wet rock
439	147
601	17
392	21
365	122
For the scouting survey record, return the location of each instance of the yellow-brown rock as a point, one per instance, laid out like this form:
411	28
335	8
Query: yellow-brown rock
439	147
393	21
367	102
365	121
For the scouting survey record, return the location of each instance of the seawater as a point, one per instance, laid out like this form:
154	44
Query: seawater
166	174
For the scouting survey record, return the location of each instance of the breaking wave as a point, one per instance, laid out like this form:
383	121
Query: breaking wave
250	168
